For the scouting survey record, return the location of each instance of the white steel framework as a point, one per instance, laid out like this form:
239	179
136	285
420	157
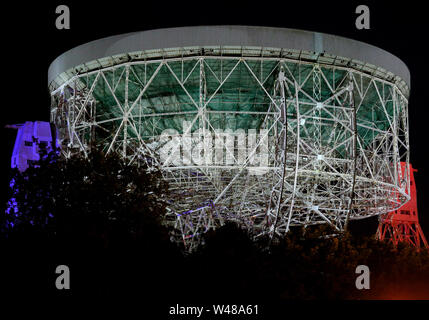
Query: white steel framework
322	143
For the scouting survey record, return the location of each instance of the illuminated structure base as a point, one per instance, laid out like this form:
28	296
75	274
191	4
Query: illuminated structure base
30	136
403	225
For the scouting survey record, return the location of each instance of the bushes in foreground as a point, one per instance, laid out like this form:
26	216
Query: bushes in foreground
103	218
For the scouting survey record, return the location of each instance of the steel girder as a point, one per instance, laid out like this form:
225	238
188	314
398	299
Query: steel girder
327	145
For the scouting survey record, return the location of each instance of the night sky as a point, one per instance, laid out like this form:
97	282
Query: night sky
31	42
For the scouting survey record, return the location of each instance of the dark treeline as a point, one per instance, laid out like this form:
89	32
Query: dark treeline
103	219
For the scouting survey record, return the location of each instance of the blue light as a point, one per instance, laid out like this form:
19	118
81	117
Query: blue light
25	154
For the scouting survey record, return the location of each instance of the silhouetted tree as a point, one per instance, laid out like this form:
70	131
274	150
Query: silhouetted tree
99	214
103	218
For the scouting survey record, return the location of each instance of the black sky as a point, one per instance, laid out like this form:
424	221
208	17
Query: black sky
31	42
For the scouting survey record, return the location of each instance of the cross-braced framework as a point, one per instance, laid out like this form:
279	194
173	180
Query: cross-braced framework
403	225
268	142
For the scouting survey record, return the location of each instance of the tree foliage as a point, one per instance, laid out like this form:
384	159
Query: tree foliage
97	213
93	196
104	218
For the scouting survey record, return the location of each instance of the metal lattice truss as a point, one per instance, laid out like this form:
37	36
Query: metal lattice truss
268	142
